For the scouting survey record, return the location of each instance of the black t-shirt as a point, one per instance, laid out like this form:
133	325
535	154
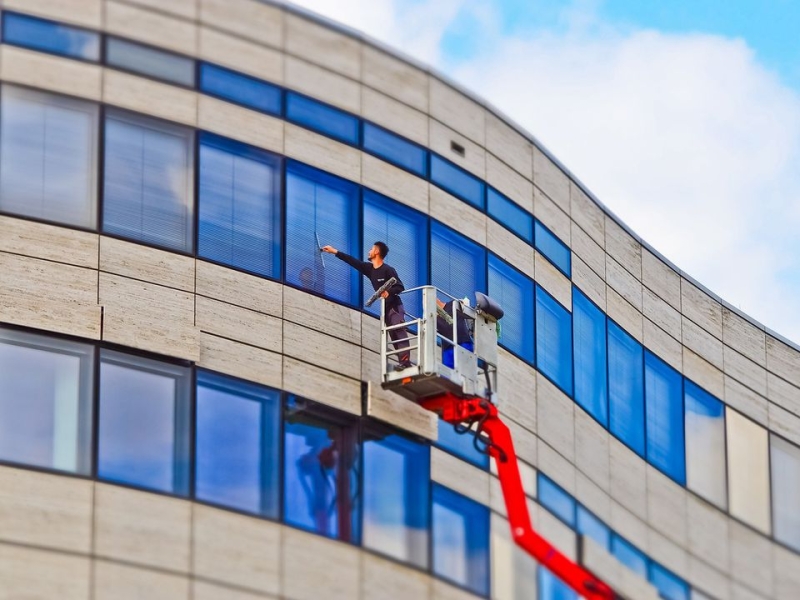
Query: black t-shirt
377	276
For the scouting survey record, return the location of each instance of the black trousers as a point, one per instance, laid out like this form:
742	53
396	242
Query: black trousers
396	316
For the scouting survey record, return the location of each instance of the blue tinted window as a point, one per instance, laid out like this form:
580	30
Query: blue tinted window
553	249
552	588
404	230
460	540
395	149
553	340
48	157
148	184
664	410
130	56
457	181
321	462
241	89
629	555
705	444
320	117
556	500
321	209
589	337
458	265
397	498
48	36
626	388
143	437
461	444
514	292
45	401
594	528
237	444
669	585
510	215
239	206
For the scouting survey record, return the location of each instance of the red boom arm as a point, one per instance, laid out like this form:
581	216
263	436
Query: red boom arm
457	410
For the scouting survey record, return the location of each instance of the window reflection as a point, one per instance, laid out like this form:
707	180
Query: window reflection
321	470
589	341
48	157
460	540
148	183
321	209
144	422
397	497
237	444
552	588
664	410
514	292
785	464
149	61
554	340
48	36
705	444
748	471
45	401
626	388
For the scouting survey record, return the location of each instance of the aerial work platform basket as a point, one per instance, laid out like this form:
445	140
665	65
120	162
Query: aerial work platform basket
442	360
452	371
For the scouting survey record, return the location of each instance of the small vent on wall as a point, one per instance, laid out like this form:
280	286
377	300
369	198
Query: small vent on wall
457	148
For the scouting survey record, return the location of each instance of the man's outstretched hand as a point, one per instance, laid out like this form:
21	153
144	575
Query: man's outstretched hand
329	249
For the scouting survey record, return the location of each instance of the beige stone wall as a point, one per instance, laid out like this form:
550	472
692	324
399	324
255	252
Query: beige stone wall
90	286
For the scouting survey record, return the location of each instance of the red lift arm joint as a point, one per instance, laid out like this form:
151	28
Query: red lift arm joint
499	445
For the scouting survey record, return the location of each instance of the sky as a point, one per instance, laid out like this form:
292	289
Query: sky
682	117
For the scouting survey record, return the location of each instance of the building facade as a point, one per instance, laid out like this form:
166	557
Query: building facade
185	399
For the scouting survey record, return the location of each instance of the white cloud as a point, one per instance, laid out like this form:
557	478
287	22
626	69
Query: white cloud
688	138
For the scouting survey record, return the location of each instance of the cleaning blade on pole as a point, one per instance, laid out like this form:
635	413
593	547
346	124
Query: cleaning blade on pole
321	251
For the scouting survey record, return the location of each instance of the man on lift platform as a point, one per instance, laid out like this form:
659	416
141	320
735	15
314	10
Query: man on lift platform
378	273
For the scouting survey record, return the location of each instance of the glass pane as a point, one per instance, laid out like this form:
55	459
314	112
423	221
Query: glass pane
460	540
705	444
321	470
513	569
552	588
508	214
556	500
321	210
589	340
237	444
241	89
149	61
461	444
396	498
458	265
48	157
239	206
514	292
553	249
594	528
748	471
323	118
144	422
45	401
457	181
148	181
663	388
669	585
48	36
554	340
629	555
405	232
395	149
626	388
785	465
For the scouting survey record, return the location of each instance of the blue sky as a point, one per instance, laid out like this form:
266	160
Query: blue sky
769	27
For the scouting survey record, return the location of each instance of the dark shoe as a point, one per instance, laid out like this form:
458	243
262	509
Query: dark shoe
402	366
